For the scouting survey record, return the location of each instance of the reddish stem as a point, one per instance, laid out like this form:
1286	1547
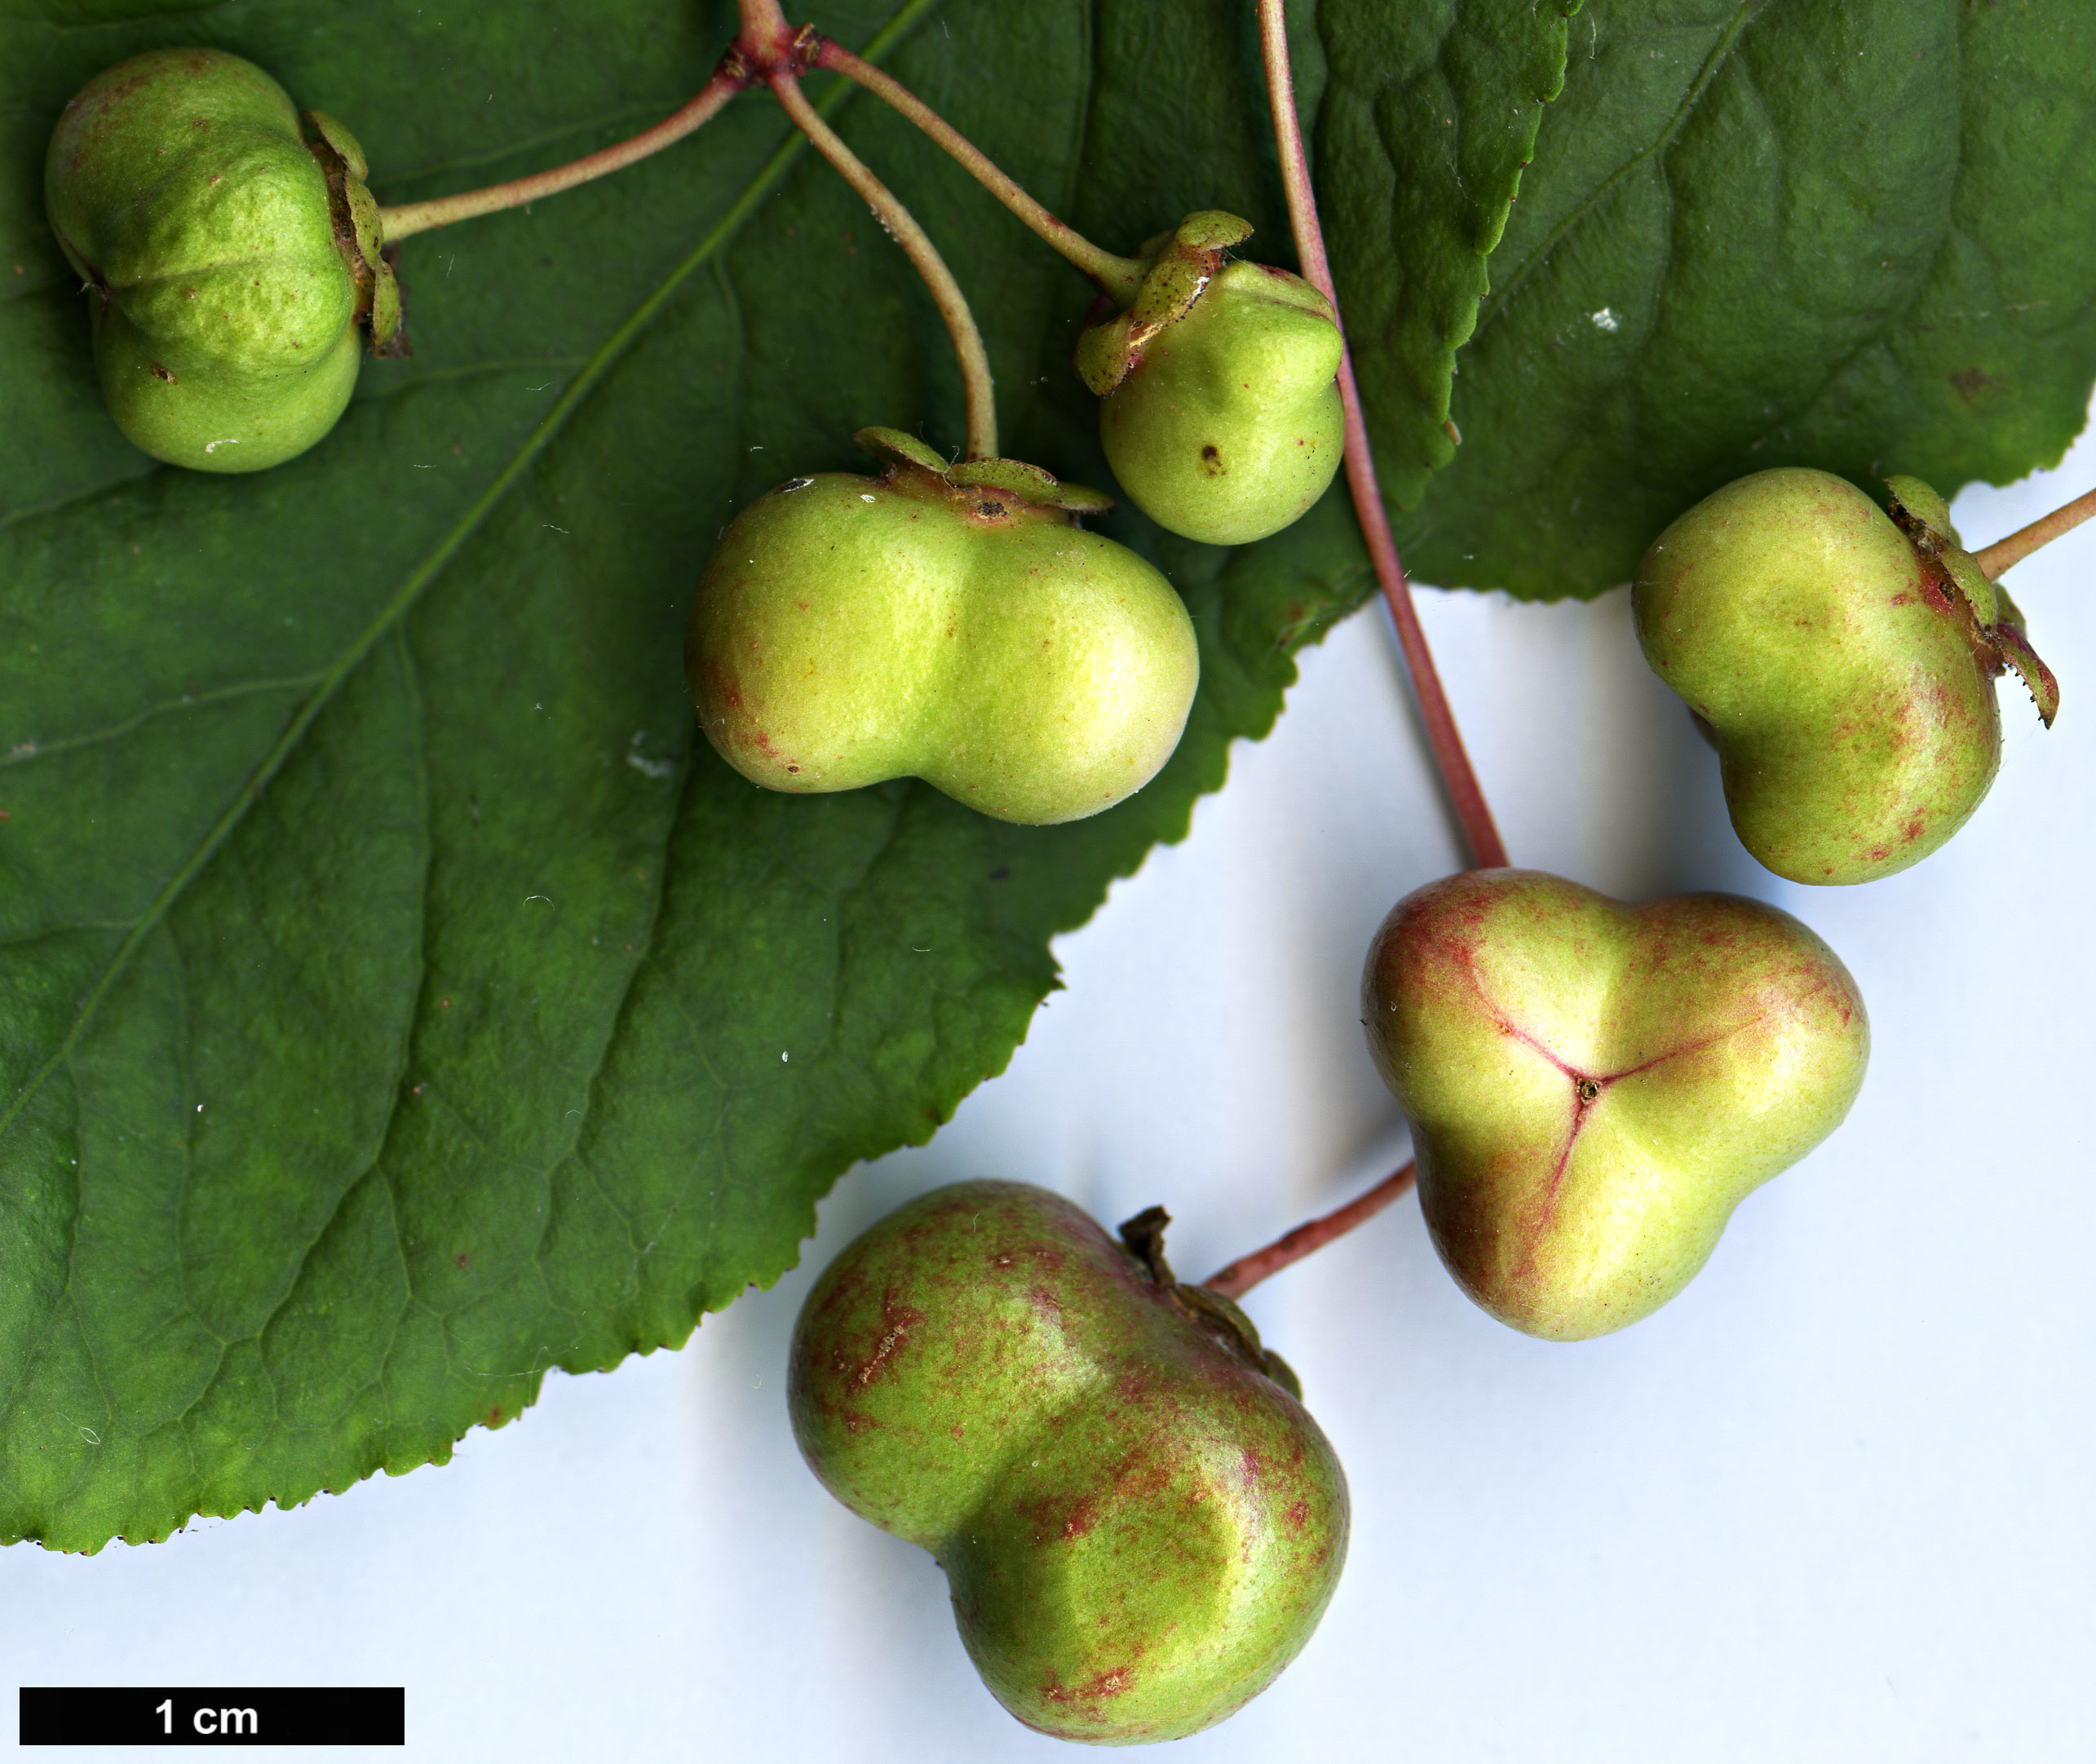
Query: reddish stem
977	389
1119	275
766	38
1247	1271
409	218
2005	554
1466	797
765	43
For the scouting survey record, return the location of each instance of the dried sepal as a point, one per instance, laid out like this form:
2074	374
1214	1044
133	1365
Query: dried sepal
359	235
1181	264
2015	651
1013	477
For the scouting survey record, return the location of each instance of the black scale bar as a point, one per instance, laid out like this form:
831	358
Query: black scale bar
273	1717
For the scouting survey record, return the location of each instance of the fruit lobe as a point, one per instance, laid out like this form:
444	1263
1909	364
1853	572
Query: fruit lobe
180	187
1139	1529
850	630
1593	1087
1845	678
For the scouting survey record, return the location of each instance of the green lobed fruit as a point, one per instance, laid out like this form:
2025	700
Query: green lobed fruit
1219	411
1139	1522
227	262
1593	1087
1844	662
951	623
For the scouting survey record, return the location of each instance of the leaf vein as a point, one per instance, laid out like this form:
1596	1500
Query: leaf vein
1496	297
22	753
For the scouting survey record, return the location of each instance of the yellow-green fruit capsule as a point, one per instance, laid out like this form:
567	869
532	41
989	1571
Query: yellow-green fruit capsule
1593	1085
1844	667
180	189
953	624
1227	426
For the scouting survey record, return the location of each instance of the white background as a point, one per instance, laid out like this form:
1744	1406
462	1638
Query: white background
1833	1503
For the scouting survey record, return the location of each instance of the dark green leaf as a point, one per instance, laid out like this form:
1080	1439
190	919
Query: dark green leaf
1854	234
1424	127
396	998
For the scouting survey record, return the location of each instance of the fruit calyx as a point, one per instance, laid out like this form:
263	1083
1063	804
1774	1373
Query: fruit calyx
914	467
1217	1317
1181	264
358	234
1998	635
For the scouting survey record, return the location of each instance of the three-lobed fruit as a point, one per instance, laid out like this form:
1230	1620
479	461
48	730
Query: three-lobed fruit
1219	409
951	623
1139	1522
227	260
1593	1087
1844	661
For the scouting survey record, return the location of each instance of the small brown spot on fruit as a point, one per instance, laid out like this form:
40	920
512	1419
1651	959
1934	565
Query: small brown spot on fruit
162	374
1211	461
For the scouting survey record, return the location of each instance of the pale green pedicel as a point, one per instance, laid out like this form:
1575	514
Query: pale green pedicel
952	624
181	189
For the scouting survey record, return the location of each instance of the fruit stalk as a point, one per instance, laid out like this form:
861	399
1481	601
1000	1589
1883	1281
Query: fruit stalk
1241	1276
1120	277
412	217
2005	554
1465	796
902	226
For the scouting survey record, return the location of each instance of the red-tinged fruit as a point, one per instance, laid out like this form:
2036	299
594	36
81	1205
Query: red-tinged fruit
1139	1522
1844	661
1594	1086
